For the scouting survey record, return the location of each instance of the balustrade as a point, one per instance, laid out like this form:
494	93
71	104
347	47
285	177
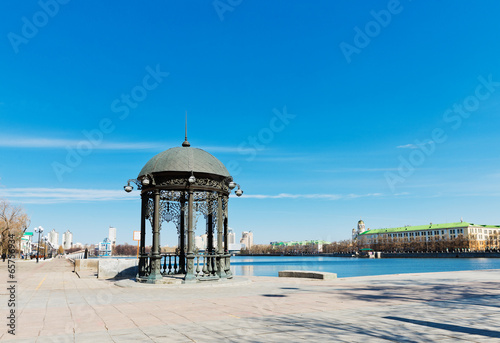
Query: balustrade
206	265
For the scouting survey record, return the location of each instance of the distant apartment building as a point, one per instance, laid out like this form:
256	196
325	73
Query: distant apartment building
246	240
231	236
26	243
466	235
204	241
104	248
112	235
53	238
198	243
201	242
67	240
231	241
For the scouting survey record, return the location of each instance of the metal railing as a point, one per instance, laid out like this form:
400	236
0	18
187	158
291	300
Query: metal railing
76	255
205	265
170	264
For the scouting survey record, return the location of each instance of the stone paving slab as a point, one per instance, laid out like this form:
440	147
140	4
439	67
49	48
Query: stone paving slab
55	305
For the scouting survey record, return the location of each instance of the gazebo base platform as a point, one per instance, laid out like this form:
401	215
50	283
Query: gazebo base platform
179	279
178	283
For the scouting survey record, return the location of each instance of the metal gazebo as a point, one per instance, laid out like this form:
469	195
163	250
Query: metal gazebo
178	185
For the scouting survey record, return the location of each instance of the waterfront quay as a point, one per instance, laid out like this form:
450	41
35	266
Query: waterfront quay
54	304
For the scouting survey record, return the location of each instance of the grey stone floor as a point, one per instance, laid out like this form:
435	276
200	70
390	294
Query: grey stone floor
54	305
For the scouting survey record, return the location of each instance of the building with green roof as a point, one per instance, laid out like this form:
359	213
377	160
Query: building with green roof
479	237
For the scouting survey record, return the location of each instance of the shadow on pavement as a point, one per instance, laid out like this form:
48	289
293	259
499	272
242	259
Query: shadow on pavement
449	327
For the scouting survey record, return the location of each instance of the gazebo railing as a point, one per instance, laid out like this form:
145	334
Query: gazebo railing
170	264
205	265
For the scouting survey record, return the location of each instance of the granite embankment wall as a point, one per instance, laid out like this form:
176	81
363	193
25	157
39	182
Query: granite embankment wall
108	268
442	255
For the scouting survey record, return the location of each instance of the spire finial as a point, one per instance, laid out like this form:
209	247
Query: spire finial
186	143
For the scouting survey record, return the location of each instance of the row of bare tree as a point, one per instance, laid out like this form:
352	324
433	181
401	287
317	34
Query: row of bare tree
417	244
268	249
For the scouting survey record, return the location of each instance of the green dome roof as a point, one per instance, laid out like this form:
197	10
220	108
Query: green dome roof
184	159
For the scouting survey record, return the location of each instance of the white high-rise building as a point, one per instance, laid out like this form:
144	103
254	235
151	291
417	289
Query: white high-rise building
198	243
231	241
231	236
112	235
246	239
204	239
67	240
53	238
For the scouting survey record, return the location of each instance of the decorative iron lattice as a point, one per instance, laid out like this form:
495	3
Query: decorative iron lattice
200	182
138	183
150	211
211	183
225	204
173	182
205	203
172	195
171	212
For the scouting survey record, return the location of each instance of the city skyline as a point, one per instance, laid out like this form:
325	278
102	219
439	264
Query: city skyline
324	113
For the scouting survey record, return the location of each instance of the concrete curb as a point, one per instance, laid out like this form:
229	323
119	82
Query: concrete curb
307	274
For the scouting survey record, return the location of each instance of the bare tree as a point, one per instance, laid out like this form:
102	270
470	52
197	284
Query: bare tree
125	250
13	221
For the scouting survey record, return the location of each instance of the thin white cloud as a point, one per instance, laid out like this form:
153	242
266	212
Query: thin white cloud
55	143
407	146
76	195
63	195
311	196
225	149
416	146
356	170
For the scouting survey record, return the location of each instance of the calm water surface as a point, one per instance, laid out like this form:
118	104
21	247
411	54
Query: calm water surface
350	266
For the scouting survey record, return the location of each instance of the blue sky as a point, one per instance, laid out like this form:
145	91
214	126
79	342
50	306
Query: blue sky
324	112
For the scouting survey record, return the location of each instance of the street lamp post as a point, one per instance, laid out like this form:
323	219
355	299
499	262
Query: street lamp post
39	230
44	247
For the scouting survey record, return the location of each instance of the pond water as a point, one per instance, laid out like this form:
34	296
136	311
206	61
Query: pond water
351	266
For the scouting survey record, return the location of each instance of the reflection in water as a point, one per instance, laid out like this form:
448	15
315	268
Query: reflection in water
247	270
244	270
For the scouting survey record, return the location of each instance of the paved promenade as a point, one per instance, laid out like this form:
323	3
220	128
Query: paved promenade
55	305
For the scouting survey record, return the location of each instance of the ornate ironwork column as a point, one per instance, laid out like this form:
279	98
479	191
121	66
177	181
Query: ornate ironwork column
155	273
190	253
220	248
182	238
229	274
142	248
210	231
